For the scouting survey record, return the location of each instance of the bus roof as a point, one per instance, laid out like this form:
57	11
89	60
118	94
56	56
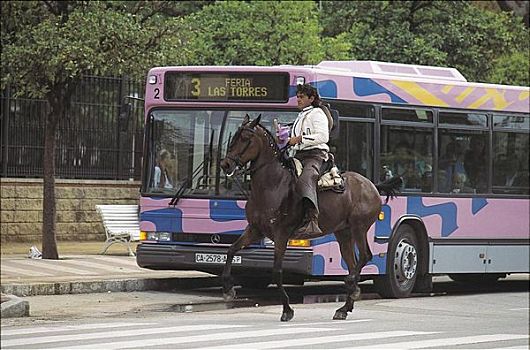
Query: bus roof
385	69
373	81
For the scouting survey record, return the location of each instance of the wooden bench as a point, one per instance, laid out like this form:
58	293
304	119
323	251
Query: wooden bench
121	225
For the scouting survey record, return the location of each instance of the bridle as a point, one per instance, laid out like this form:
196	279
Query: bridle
237	159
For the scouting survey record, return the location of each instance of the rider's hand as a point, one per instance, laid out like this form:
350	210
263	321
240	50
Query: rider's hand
295	140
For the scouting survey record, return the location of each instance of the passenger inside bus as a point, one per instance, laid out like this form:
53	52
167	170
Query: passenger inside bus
475	164
513	172
165	171
453	176
406	163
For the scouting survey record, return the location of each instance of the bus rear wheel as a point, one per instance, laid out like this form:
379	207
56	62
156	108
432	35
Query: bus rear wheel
402	265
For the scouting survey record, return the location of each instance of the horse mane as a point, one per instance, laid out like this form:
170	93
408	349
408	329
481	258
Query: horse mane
279	153
270	138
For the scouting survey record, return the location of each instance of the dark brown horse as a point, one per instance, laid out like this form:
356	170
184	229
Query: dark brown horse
273	210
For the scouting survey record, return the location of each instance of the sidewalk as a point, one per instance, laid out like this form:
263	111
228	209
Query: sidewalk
81	269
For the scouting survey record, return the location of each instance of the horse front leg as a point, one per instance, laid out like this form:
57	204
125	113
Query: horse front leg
248	237
277	275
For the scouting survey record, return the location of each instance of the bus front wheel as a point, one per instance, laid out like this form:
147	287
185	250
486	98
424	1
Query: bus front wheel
402	265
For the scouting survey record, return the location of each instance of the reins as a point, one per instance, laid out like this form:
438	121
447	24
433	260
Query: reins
272	144
277	152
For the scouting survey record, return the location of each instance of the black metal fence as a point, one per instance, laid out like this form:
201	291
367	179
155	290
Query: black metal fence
93	141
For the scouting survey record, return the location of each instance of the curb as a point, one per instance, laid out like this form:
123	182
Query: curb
118	285
14	307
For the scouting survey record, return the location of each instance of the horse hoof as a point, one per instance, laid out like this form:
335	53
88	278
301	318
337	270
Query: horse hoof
230	295
340	315
287	316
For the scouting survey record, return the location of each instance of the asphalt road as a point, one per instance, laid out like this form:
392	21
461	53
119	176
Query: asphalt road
454	316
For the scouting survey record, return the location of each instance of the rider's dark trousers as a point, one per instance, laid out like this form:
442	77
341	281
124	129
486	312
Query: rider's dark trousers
306	185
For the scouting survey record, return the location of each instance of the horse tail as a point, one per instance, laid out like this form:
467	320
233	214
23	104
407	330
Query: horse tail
390	187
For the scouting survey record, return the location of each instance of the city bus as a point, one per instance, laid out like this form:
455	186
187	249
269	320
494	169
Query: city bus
461	148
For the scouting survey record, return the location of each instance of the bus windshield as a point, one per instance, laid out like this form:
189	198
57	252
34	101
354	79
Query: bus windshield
184	148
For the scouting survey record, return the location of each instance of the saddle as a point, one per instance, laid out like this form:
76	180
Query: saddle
330	178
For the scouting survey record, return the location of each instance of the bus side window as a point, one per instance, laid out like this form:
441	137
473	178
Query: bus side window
510	163
452	171
463	161
353	149
407	152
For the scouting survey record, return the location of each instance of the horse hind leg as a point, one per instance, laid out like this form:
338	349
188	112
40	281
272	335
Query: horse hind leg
365	255
248	237
346	244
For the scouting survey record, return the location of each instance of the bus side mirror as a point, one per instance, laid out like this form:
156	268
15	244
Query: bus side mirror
125	116
335	130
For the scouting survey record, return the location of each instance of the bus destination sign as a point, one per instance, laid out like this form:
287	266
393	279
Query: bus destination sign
227	87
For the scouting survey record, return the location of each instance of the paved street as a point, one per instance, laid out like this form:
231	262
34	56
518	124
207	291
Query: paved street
469	320
20	269
453	316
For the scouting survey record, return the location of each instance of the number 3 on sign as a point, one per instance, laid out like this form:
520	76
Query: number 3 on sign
197	86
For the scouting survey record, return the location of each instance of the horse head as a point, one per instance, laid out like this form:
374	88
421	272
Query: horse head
244	147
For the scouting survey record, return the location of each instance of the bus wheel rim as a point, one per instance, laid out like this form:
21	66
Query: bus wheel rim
405	263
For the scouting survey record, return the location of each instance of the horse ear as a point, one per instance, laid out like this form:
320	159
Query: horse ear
255	121
246	119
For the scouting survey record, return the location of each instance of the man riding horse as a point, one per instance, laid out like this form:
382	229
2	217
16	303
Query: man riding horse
273	211
308	141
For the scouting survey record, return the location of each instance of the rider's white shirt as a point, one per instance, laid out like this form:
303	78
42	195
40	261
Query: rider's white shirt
312	124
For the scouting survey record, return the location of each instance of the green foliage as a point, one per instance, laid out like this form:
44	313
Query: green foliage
337	48
438	33
255	33
512	69
476	38
48	45
53	46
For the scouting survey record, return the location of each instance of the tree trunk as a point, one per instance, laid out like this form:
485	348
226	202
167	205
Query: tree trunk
49	242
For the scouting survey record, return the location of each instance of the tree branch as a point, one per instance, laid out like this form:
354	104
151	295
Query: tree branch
50	7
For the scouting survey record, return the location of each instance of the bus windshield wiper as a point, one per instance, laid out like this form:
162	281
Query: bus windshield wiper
182	187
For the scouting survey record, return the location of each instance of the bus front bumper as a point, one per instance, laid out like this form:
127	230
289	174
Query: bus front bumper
180	257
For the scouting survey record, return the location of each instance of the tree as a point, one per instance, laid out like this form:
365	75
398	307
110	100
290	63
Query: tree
48	46
512	68
257	33
520	8
438	33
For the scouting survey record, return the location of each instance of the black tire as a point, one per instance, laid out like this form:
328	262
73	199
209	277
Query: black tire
476	278
402	265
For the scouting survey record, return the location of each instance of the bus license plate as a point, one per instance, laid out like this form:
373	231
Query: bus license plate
214	258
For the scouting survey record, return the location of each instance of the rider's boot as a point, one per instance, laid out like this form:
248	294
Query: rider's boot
310	228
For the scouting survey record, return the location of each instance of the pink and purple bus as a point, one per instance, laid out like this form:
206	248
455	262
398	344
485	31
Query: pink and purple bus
461	148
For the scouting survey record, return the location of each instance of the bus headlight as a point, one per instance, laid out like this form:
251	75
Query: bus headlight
158	236
164	236
152	236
